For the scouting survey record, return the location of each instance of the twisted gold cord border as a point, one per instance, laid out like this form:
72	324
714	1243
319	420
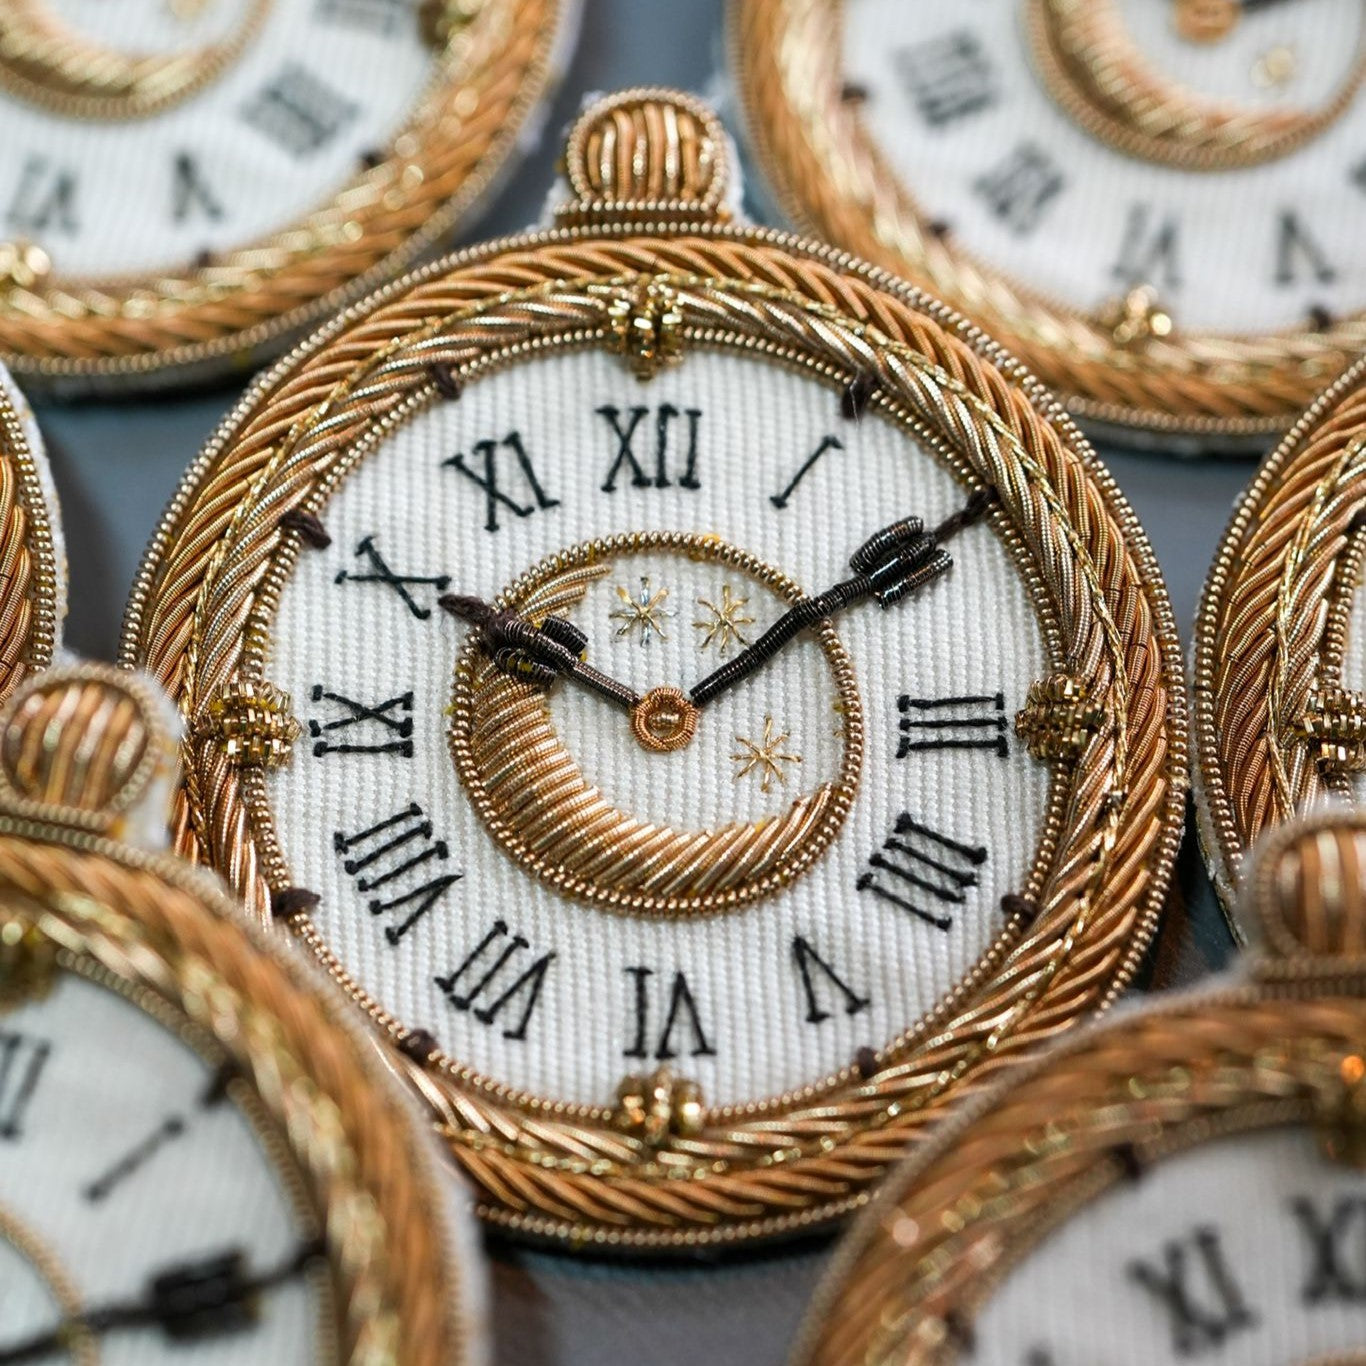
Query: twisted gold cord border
1271	624
985	1192
463	128
153	924
201	617
831	178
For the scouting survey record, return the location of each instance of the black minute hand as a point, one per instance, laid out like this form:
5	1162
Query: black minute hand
890	564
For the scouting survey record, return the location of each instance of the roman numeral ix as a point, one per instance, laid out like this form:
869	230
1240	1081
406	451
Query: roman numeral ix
390	857
385	728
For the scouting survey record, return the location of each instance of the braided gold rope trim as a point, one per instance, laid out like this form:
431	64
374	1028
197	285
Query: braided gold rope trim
150	925
1272	624
463	128
1091	68
986	1191
44	61
29	589
204	617
832	179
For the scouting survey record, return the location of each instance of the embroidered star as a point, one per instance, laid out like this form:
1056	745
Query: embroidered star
765	757
722	628
645	612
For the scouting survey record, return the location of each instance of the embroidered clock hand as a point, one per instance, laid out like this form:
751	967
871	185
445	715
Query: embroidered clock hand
192	1299
538	654
890	564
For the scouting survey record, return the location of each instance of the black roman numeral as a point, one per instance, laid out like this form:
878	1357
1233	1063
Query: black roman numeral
391	724
1196	1287
1337	1271
973	722
22	1059
682	1012
1293	246
1149	253
1020	187
298	111
486	477
828	443
946	77
626	460
393	854
172	1127
378	16
190	191
813	969
45	199
923	863
486	970
400	583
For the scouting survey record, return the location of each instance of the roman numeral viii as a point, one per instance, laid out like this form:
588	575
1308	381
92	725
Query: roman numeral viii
917	863
399	859
495	973
22	1059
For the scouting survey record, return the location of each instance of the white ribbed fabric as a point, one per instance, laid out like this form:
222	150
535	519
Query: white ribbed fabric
111	1079
123	199
972	632
1253	1202
1227	223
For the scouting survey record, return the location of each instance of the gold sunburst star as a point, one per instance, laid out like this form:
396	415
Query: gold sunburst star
765	757
722	628
644	612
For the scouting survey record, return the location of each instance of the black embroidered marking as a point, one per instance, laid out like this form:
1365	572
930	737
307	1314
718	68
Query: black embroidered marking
969	722
828	443
1358	522
938	228
204	258
978	504
44	201
288	902
386	854
395	731
1130	1163
865	1063
418	1045
851	92
1149	254
1021	908
370	158
931	863
1020	187
806	957
298	111
1336	1244
307	527
22	1060
400	583
1293	245
947	77
487	479
626	457
190	191
682	1007
216	1092
172	1127
448	383
961	1331
1195	1285
527	983
856	396
1320	317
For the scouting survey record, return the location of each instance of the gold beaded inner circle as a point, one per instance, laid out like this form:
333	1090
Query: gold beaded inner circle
535	801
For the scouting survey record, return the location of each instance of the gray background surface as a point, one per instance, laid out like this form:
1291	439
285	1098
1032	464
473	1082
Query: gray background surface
116	464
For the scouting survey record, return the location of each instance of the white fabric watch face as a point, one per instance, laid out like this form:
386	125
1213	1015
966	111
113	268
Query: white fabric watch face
959	109
510	869
294	94
169	1196
1239	1252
